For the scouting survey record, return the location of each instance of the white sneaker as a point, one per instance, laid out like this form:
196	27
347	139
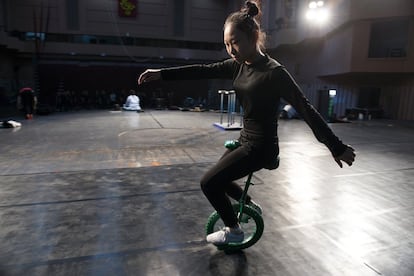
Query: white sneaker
225	236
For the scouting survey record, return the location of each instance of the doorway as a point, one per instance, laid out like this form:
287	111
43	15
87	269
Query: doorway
369	97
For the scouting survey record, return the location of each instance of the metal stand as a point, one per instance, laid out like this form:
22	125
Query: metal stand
231	123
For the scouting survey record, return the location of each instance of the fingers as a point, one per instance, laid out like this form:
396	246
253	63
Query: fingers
348	157
142	78
149	75
349	162
338	162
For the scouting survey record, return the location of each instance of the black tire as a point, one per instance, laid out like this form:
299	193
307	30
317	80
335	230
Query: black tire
254	228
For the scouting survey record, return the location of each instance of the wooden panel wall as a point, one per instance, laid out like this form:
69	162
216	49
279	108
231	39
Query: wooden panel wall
398	102
203	19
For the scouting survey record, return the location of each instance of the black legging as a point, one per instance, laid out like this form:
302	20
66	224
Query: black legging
217	184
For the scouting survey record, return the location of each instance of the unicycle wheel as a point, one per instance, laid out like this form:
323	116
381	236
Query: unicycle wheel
252	228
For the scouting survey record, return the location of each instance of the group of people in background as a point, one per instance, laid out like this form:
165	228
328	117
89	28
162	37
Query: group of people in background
77	100
67	100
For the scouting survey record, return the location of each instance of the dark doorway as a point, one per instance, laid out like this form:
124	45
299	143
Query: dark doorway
369	97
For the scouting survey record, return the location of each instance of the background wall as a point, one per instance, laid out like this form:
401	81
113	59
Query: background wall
89	46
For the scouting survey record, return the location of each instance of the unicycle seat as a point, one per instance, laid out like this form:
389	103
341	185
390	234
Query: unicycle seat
234	144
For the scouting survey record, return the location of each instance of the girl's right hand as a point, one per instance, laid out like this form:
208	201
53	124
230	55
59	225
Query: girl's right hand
348	157
149	75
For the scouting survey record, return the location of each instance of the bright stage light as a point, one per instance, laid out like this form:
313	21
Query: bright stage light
313	5
323	15
317	15
317	12
310	14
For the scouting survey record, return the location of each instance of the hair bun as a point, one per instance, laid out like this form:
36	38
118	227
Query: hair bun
251	8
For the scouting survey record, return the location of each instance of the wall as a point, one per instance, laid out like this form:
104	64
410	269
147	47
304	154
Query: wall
398	101
7	85
371	9
336	54
360	62
14	74
342	12
203	19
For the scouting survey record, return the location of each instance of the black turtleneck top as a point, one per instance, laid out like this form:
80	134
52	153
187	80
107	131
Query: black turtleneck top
259	87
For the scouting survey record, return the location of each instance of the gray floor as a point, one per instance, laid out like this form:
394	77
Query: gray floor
111	193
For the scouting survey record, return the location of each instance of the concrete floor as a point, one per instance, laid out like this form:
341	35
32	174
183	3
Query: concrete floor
117	193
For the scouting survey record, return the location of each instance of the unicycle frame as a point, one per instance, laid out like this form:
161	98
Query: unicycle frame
242	200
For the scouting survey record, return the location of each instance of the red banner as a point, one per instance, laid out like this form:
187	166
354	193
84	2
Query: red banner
127	8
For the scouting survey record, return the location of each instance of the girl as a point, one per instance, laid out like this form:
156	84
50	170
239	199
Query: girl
260	82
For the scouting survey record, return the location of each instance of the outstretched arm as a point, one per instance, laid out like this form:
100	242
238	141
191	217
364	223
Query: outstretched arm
293	94
220	70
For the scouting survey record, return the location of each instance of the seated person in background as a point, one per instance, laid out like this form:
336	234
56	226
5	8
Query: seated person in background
132	102
288	112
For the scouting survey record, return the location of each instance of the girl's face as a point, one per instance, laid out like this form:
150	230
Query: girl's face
238	45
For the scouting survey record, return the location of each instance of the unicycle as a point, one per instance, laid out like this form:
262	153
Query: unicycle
250	220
